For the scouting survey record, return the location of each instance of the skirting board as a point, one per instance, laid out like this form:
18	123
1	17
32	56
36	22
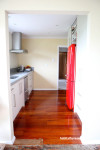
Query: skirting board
8	142
44	89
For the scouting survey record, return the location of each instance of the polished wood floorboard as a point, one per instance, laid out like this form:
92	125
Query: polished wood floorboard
46	116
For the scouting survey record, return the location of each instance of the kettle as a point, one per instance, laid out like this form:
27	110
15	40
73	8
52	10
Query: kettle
21	68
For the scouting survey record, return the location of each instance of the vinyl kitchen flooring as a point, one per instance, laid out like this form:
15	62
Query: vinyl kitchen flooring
47	117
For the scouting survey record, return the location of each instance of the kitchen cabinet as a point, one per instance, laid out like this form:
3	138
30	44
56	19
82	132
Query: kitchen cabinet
74	32
14	98
30	82
21	93
69	37
17	97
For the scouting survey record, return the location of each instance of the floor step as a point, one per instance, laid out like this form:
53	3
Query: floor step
29	142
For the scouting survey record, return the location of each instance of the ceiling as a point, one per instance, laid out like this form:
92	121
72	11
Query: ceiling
40	26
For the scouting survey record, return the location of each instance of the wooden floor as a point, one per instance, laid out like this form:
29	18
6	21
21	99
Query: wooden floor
46	116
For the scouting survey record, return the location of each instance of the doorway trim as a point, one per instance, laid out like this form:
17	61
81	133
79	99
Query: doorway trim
39	12
65	46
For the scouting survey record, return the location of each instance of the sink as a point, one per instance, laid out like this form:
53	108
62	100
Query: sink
13	77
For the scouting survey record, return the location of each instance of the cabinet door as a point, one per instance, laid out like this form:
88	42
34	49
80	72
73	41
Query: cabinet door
30	82
21	93
14	101
17	97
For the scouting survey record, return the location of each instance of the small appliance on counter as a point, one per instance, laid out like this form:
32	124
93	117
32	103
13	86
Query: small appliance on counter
28	68
21	68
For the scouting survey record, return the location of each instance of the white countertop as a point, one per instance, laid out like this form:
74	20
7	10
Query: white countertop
20	75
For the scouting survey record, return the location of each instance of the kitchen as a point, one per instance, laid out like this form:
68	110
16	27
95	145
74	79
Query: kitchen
44	66
18	55
89	75
21	78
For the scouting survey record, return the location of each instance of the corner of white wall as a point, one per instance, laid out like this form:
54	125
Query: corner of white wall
8	141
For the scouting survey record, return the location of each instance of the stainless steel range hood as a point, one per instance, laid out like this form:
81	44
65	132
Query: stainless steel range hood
16	43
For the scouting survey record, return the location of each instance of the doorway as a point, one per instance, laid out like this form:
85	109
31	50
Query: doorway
63	78
62	64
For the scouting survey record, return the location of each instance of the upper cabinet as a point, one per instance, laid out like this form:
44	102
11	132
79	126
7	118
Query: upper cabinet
72	33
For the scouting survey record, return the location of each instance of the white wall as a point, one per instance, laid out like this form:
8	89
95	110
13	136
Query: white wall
42	55
6	122
80	61
91	83
87	94
91	98
13	57
81	52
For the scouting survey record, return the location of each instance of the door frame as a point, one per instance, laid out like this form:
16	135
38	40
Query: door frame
58	48
7	49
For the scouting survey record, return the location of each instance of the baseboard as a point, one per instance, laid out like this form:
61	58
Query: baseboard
45	89
13	140
62	79
8	142
78	111
85	141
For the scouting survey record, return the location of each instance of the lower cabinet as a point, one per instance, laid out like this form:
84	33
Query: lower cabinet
17	94
17	97
30	82
21	93
14	97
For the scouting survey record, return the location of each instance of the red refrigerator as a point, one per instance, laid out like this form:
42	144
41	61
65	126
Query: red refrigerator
71	71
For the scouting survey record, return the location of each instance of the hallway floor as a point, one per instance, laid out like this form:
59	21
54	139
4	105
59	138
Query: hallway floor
46	116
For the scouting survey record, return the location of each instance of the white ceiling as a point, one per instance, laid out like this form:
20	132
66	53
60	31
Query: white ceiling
40	26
